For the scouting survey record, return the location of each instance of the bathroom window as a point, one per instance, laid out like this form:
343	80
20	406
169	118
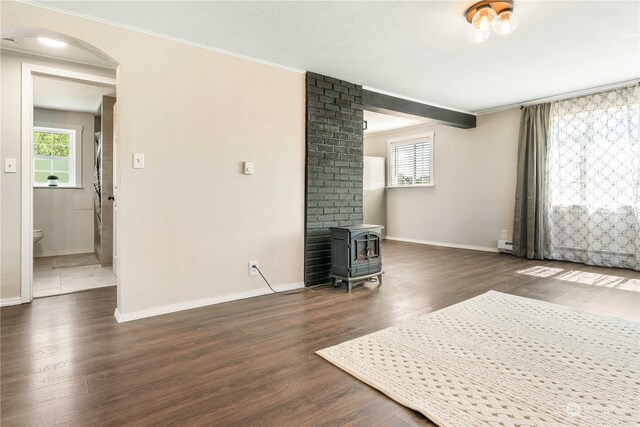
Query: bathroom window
54	153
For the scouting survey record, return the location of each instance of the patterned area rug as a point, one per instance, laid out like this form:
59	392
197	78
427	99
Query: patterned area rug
502	360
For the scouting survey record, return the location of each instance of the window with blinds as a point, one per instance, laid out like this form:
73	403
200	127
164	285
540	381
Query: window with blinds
411	161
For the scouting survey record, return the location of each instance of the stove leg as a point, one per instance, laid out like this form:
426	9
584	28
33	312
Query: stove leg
380	280
349	286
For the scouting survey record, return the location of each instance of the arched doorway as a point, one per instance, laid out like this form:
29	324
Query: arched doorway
47	56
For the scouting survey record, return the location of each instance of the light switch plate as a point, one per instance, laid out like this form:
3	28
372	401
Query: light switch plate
248	168
138	160
10	165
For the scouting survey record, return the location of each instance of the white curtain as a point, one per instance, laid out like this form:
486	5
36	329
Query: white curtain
592	201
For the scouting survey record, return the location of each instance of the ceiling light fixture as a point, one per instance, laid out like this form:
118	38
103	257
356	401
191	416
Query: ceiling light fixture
490	14
51	42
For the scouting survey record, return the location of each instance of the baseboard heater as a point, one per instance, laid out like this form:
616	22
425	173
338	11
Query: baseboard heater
607	253
505	246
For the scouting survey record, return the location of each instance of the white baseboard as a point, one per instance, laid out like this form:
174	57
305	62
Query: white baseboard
10	301
64	252
172	308
446	245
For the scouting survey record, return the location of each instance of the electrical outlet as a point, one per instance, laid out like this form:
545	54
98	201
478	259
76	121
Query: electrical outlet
503	234
253	271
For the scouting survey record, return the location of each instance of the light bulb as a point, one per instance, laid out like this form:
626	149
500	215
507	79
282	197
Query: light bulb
477	36
483	18
505	23
51	42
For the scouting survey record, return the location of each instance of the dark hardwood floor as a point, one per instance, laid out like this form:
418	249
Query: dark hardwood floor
66	361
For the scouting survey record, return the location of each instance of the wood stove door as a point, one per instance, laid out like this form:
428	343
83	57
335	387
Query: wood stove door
365	251
375	260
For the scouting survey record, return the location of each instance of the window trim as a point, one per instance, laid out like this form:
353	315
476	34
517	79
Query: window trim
411	140
75	172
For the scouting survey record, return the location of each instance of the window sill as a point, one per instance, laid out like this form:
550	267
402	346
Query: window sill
58	187
411	186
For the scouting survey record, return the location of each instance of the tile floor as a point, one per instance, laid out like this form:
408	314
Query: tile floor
69	273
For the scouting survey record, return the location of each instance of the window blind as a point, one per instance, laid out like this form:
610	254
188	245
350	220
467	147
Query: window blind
411	163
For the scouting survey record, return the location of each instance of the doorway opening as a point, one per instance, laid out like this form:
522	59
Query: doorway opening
64	99
72	167
379	129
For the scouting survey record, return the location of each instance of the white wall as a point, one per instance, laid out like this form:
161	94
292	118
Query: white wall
374	204
475	180
190	221
65	215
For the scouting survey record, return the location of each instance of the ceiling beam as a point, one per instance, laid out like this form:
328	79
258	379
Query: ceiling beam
394	106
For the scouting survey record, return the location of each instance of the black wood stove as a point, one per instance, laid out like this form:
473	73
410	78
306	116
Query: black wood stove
356	254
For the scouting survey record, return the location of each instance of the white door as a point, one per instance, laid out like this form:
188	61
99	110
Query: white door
115	191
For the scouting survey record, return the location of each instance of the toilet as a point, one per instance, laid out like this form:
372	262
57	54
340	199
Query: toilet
37	235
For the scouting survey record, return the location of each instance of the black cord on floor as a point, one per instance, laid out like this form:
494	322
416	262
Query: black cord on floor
284	293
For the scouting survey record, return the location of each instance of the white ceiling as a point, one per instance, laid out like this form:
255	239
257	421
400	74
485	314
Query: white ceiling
67	95
377	122
414	49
